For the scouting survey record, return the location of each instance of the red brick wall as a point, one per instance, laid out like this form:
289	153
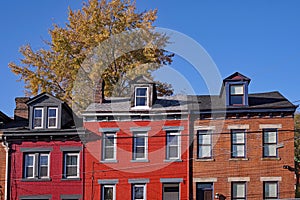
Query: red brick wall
255	167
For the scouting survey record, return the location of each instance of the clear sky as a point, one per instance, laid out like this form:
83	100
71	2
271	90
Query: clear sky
260	39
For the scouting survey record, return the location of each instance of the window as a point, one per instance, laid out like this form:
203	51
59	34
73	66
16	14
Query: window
270	143
204	144
36	165
71	165
108	192
238	190
141	96
38	115
109	146
138	192
140	146
173	145
270	190
52	117
238	143
171	191
236	94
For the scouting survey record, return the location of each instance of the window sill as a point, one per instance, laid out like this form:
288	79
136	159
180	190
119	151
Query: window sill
109	161
70	179
173	160
138	161
205	159
36	179
238	159
271	158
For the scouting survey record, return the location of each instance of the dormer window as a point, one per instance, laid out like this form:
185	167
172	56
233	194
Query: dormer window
52	117
38	116
237	94
141	96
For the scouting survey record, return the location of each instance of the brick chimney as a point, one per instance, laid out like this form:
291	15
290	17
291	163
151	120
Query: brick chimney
99	92
21	110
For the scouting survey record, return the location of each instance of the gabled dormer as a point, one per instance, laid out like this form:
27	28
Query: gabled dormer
48	112
236	89
143	93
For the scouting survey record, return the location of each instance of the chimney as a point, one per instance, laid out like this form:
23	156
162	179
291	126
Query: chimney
99	92
21	110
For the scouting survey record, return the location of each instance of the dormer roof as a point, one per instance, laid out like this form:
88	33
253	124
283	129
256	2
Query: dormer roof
237	77
41	97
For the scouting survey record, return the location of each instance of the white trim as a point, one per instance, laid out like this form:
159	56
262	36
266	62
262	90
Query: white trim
266	126
56	117
144	191
114	147
238	126
238	179
279	178
42	118
147	98
77	167
48	165
109	186
145	136
178	134
205	180
204	128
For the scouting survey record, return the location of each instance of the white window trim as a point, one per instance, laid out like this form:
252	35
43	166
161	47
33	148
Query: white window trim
48	166
177	133
33	166
245	189
145	135
210	133
77	167
277	189
36	166
234	131
266	144
109	186
115	146
42	118
144	191
56	117
147	98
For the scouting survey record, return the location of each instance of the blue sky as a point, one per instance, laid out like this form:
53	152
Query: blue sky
260	39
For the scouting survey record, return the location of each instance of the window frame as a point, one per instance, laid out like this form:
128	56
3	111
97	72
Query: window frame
135	146
168	146
204	132
267	144
105	134
36	165
113	186
245	190
170	185
138	96
65	166
236	95
234	154
144	191
56	117
41	118
264	190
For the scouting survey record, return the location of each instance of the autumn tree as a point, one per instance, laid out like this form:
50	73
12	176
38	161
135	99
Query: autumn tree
72	48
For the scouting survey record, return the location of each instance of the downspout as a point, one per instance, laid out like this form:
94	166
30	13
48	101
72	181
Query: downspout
5	145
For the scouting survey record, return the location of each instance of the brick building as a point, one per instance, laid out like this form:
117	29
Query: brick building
241	143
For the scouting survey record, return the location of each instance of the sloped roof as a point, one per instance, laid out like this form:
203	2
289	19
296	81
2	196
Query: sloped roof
237	77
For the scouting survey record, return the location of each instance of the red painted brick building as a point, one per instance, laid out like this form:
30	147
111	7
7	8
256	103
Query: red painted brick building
139	148
45	151
241	143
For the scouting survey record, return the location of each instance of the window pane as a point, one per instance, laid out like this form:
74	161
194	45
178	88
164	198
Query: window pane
29	171
141	101
52	112
238	138
109	153
237	89
236	99
173	152
270	150
38	113
239	190
44	160
270	136
52	122
138	192
37	122
238	150
29	160
108	193
71	171
173	139
141	92
205	152
71	159
271	190
44	171
204	139
140	141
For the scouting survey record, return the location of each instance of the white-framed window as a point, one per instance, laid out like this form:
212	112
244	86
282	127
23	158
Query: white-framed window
238	191
139	192
36	165
204	144
38	118
173	145
108	192
236	94
109	146
141	96
52	117
140	146
270	143
238	144
271	190
71	165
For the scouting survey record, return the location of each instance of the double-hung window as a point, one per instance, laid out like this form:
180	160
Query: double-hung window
204	144
173	145
138	192
141	96
270	143
52	117
237	94
71	165
238	190
271	190
238	143
108	192
140	146
38	115
36	165
109	146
